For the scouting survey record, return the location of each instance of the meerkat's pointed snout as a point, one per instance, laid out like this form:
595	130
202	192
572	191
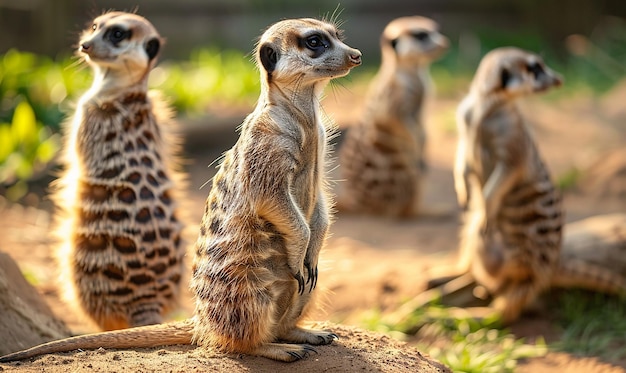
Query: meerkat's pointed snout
557	79
548	79
85	48
355	57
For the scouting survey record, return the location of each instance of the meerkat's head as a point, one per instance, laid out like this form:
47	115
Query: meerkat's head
513	72
412	40
121	46
303	52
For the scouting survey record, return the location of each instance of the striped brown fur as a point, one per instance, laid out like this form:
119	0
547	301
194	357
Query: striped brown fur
382	157
120	253
266	217
511	237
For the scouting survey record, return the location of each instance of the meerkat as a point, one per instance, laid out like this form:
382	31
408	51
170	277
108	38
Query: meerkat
119	229
511	238
381	160
266	217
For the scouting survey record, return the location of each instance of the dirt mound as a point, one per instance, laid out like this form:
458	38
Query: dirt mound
355	351
25	318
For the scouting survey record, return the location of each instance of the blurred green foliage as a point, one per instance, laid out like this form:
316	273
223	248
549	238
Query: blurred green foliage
26	149
463	343
214	80
41	82
37	94
593	324
590	64
209	79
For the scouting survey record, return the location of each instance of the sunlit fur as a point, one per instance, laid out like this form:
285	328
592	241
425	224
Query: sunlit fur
511	237
119	228
265	219
267	215
382	158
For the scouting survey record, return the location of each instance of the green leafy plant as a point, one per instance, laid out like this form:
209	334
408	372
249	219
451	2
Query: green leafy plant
26	148
45	84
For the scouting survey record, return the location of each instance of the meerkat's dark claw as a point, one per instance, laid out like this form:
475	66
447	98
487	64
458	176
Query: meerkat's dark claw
301	284
309	348
313	272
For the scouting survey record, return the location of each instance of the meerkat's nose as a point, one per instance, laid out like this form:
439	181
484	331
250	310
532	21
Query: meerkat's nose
85	47
355	57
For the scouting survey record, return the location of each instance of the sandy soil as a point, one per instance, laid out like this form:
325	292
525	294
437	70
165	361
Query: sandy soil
368	262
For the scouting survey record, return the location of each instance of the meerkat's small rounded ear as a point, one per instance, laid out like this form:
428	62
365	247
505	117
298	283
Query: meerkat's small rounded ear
152	48
394	43
268	57
505	77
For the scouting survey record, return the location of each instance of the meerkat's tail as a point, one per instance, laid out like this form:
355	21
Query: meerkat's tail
146	336
577	273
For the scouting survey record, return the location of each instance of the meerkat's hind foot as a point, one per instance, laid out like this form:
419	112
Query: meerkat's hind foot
284	351
461	291
309	336
440	280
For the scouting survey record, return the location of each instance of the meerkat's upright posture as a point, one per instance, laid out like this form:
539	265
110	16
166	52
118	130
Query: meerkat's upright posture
266	217
512	234
382	157
121	250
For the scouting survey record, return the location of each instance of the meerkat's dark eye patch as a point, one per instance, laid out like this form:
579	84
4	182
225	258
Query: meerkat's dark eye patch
116	34
535	68
268	57
152	48
394	43
316	43
94	27
505	77
420	35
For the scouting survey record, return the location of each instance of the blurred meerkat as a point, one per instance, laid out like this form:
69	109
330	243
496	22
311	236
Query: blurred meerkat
121	254
266	216
382	158
511	238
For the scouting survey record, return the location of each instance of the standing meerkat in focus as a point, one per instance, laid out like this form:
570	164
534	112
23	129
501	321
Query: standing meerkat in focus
120	254
511	239
266	217
382	157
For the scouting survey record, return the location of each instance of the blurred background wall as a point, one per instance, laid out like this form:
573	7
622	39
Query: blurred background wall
51	26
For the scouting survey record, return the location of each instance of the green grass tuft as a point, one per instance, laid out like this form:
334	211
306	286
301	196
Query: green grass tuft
593	324
462	343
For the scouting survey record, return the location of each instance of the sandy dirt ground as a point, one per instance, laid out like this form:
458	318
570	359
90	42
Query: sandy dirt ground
368	262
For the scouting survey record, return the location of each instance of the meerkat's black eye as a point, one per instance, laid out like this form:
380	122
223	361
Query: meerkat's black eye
535	68
317	44
116	34
420	35
314	42
94	27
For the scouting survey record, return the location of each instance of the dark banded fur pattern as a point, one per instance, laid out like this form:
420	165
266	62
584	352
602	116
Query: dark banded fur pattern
121	252
381	159
266	217
511	237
